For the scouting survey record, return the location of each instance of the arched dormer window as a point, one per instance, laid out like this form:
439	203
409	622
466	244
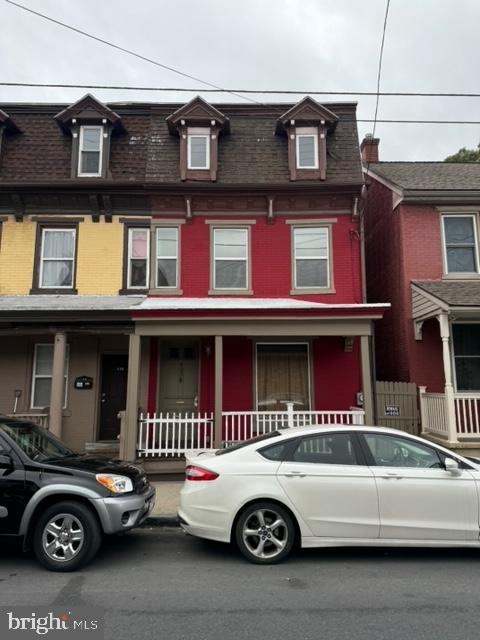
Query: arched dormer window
91	124
198	125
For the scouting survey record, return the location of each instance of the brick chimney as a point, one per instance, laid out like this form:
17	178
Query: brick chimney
369	148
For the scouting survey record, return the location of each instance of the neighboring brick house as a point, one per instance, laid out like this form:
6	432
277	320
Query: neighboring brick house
422	226
199	262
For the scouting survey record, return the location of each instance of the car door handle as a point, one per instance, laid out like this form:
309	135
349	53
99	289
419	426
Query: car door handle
295	474
391	476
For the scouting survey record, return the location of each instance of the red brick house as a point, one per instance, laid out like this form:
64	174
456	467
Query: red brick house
421	221
213	251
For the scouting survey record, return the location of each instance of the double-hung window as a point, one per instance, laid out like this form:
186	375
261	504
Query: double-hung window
230	259
90	151
198	149
42	376
138	253
311	259
57	259
307	148
460	244
166	275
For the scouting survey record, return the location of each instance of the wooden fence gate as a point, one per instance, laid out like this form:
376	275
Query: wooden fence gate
397	406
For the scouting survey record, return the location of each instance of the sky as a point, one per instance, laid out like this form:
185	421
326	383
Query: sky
304	45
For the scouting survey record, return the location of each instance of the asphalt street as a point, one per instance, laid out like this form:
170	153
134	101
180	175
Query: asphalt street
160	584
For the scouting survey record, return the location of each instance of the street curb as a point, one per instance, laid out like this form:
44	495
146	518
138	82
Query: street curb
161	521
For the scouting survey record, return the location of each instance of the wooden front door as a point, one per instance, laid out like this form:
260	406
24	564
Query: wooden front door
179	376
113	394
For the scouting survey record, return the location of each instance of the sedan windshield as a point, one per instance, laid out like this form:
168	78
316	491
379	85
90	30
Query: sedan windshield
37	443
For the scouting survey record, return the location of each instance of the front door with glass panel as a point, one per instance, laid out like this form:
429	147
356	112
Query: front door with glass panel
418	498
282	376
178	376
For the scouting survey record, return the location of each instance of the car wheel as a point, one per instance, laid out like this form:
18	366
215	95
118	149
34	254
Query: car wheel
66	536
265	533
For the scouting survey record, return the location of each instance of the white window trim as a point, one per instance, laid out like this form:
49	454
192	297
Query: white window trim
189	151
247	259
315	165
129	257
165	257
80	149
42	259
459	274
309	368
43	376
326	287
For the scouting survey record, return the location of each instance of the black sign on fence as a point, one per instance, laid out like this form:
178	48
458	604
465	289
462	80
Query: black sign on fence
392	410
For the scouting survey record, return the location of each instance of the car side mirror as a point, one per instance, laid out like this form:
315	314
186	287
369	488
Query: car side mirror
6	461
452	466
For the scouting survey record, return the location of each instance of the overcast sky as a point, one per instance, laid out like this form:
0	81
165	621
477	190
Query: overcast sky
431	45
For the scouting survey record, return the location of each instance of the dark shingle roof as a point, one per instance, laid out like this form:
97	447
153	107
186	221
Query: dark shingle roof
456	293
430	175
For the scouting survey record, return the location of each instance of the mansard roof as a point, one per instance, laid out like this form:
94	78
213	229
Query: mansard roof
8	123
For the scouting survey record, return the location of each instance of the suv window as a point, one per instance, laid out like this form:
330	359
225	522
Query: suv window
331	448
394	451
37	443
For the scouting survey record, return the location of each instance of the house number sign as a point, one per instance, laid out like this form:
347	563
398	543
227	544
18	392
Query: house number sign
392	410
83	382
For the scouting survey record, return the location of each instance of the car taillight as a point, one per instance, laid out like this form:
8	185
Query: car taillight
197	473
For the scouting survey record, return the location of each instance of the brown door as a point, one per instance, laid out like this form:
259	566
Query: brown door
179	376
113	394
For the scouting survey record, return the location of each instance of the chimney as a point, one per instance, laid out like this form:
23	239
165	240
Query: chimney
369	148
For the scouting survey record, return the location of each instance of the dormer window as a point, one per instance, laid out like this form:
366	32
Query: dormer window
90	151
198	126
198	148
91	125
306	126
307	148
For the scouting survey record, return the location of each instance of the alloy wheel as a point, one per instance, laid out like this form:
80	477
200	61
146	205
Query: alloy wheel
63	537
265	533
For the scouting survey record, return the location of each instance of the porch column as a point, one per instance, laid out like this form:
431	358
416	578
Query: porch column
57	392
447	368
366	379
218	390
129	426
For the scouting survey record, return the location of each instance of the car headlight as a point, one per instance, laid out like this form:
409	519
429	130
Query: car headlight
115	484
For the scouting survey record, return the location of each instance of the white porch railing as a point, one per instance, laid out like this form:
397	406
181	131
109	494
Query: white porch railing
434	413
38	418
170	434
240	425
433	409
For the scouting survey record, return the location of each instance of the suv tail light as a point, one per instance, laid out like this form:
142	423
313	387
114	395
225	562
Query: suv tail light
197	473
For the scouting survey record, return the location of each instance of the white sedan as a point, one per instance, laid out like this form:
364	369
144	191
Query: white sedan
328	486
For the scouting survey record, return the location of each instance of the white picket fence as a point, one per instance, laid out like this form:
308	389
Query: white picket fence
173	434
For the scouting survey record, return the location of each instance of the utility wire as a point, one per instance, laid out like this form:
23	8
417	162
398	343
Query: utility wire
124	50
380	61
407	94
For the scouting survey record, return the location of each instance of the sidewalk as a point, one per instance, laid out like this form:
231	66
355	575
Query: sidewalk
166	504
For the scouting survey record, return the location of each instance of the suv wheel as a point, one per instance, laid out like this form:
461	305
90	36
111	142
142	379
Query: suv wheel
265	533
66	536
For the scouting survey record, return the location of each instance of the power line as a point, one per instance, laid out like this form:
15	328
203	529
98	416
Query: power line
380	60
406	94
124	50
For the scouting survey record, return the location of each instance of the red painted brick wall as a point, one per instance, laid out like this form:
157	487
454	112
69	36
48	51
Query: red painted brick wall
336	374
402	246
271	260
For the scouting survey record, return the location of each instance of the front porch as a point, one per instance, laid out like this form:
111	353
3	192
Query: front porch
217	375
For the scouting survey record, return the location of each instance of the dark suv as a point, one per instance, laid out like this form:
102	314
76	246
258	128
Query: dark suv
61	503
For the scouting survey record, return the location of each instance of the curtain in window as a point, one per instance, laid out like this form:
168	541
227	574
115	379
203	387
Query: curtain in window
58	253
282	375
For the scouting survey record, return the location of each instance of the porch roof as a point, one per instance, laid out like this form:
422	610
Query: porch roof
66	302
454	293
157	303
